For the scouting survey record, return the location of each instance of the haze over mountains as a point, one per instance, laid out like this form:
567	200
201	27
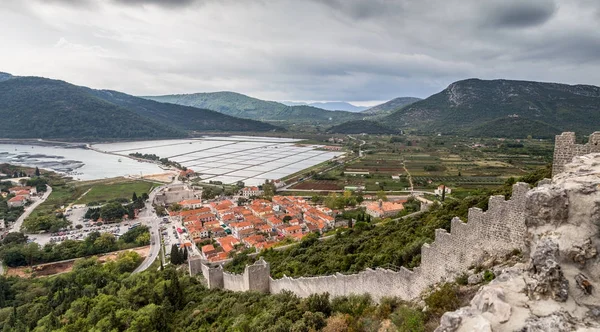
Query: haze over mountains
239	105
330	105
40	107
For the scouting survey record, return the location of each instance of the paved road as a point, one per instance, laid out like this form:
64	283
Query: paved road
17	225
149	218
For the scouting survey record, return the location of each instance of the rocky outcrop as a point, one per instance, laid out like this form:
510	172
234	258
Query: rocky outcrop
554	289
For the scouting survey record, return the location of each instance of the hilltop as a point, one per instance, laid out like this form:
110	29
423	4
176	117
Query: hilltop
474	106
239	105
44	108
390	106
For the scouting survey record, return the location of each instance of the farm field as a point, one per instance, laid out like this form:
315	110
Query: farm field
458	162
104	192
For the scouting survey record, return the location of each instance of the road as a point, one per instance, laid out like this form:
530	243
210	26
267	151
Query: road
362	142
149	218
16	227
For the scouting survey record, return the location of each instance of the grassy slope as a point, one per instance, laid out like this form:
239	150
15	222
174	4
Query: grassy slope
107	192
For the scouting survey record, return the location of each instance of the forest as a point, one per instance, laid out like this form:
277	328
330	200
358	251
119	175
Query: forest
15	250
96	297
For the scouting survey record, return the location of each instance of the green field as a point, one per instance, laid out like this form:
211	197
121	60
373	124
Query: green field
120	190
458	162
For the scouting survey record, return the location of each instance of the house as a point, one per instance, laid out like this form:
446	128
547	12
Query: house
291	230
197	232
221	256
253	240
186	174
440	189
248	192
208	251
227	243
190	203
237	227
17	201
381	209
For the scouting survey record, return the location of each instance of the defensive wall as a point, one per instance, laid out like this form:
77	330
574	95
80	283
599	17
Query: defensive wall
565	149
499	230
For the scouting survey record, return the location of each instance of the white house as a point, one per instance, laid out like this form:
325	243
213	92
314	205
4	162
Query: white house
248	192
440	189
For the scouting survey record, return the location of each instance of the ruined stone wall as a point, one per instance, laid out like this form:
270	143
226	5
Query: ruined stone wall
565	149
234	282
498	230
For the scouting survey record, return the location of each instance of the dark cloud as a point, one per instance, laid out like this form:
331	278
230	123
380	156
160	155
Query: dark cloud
520	14
300	50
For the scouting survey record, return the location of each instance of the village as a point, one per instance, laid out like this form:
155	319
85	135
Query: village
226	226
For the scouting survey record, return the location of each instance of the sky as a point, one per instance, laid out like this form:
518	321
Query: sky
311	50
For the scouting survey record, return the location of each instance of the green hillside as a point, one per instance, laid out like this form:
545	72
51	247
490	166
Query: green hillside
360	127
243	106
35	107
470	105
390	106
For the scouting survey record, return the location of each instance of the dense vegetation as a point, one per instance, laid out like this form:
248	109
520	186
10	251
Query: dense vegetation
242	106
479	107
8	214
96	297
360	127
45	108
153	157
395	242
15	251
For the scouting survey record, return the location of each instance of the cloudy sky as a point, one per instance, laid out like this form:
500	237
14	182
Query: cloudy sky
311	50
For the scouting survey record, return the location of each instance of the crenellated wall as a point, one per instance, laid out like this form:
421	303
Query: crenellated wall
565	149
498	230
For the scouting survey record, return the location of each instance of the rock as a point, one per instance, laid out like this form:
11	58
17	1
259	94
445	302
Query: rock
584	283
546	205
475	278
557	322
582	253
491	299
547	279
451	321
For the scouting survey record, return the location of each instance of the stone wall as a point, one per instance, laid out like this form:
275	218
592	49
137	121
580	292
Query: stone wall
498	230
565	149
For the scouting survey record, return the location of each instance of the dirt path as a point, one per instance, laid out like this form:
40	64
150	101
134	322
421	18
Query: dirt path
412	188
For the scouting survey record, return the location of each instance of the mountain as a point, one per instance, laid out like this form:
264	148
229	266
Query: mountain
390	106
35	107
486	107
360	127
243	106
338	106
5	76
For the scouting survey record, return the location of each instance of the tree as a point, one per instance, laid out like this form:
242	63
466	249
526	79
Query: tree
37	172
175	258
145	196
113	211
185	254
134	197
443	192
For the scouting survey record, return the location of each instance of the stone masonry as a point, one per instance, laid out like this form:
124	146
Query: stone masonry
565	149
498	230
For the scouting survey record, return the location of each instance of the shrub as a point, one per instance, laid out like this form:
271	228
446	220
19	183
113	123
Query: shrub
443	299
462	279
488	276
408	319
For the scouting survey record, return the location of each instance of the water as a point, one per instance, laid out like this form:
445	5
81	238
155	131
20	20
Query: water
228	159
79	163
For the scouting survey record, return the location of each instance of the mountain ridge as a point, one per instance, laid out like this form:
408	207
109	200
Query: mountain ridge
46	108
471	103
240	105
391	105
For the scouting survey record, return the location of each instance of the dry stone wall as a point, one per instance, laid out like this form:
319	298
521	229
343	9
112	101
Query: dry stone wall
565	149
498	230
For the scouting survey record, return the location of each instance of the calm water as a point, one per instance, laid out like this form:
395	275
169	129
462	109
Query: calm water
228	159
81	164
